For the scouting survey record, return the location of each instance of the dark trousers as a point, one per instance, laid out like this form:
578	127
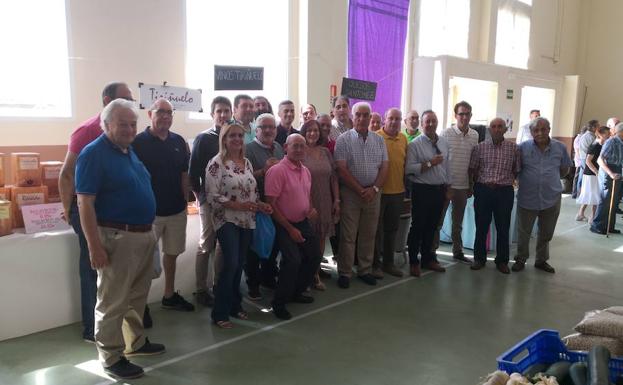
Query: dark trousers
389	221
88	276
299	262
261	271
575	191
234	242
496	203
603	212
426	206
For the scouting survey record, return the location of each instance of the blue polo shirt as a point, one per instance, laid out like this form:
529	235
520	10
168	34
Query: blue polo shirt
166	160
120	182
539	177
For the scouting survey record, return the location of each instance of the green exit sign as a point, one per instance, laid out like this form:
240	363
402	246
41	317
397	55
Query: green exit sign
509	94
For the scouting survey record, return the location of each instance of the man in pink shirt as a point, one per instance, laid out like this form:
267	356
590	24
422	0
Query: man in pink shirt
288	187
83	135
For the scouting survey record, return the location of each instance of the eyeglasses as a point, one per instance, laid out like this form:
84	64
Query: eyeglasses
464	114
162	112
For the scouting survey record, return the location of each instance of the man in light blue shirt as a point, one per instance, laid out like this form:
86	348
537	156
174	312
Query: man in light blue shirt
543	162
428	170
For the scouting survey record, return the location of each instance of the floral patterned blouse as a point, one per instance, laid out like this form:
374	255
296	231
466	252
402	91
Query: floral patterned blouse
226	181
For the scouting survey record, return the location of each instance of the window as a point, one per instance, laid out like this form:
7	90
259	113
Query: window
512	44
34	70
444	27
482	95
237	32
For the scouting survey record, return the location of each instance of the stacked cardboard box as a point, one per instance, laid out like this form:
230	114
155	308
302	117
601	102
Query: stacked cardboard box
49	177
6	218
26	169
24	196
2	173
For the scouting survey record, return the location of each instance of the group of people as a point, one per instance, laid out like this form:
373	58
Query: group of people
345	176
597	182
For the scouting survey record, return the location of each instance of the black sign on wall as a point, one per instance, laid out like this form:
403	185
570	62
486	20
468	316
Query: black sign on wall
238	78
358	89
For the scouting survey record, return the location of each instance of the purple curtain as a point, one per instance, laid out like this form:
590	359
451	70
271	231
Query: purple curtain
377	31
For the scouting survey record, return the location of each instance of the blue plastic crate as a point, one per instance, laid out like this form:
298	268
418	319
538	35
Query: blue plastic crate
546	347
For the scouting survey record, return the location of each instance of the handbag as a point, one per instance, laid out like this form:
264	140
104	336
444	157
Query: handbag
263	235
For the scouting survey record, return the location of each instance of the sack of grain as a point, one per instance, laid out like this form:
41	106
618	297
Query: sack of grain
586	342
601	323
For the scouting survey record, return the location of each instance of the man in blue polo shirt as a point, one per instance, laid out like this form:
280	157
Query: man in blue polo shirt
166	154
117	208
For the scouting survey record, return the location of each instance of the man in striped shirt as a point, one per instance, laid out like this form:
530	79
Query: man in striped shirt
494	165
461	140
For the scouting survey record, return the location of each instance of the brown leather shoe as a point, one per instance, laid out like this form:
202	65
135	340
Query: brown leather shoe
435	266
518	266
546	267
477	265
377	273
503	268
415	270
393	270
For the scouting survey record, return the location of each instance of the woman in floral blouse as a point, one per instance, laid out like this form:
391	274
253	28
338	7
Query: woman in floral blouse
232	195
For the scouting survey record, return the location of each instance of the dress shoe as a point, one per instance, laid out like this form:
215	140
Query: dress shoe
377	273
435	266
619	211
615	231
415	270
281	312
393	270
343	282
302	298
518	266
368	279
477	265
597	231
546	267
461	258
503	268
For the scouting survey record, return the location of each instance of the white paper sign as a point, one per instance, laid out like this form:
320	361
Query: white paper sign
183	99
46	217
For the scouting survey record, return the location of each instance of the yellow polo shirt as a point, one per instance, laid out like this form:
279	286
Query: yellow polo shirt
397	153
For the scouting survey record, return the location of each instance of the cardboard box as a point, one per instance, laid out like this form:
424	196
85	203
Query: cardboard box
26	169
49	177
5	193
6	218
23	196
2	173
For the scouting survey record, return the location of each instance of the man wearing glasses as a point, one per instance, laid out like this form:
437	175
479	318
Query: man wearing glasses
461	141
263	153
83	135
165	155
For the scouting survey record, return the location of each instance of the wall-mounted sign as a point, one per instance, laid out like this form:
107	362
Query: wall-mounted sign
238	78
509	94
358	89
182	99
46	217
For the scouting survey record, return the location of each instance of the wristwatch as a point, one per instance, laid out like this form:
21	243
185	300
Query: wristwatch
376	189
429	164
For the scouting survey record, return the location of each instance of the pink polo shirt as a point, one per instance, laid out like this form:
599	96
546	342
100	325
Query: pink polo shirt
291	185
85	134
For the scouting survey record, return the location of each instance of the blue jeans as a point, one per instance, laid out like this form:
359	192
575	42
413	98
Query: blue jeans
603	214
88	277
234	241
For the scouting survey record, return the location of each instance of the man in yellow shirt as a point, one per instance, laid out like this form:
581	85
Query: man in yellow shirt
392	195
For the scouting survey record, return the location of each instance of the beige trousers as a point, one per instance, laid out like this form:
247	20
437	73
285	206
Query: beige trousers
459	201
122	289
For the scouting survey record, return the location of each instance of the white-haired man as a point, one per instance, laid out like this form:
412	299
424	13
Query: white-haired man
362	165
117	208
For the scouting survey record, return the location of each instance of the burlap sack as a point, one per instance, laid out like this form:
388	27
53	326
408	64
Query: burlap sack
586	342
601	323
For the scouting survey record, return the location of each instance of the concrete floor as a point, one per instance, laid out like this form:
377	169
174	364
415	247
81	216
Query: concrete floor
437	329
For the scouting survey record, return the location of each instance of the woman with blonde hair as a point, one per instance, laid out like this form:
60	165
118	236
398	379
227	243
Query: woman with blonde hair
232	195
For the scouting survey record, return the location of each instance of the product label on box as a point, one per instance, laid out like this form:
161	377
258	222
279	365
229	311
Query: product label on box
28	163
43	218
30	199
51	172
5	212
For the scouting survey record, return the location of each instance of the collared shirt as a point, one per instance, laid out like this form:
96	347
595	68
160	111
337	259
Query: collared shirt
612	154
539	177
524	134
422	150
363	158
495	163
290	184
205	147
397	154
585	142
226	181
460	146
409	136
120	182
283	133
85	134
337	129
576	150
166	160
258	154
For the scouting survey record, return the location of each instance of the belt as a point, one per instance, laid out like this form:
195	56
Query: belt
494	186
126	227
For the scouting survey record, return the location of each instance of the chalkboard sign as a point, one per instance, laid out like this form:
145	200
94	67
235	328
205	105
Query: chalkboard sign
358	89
238	78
